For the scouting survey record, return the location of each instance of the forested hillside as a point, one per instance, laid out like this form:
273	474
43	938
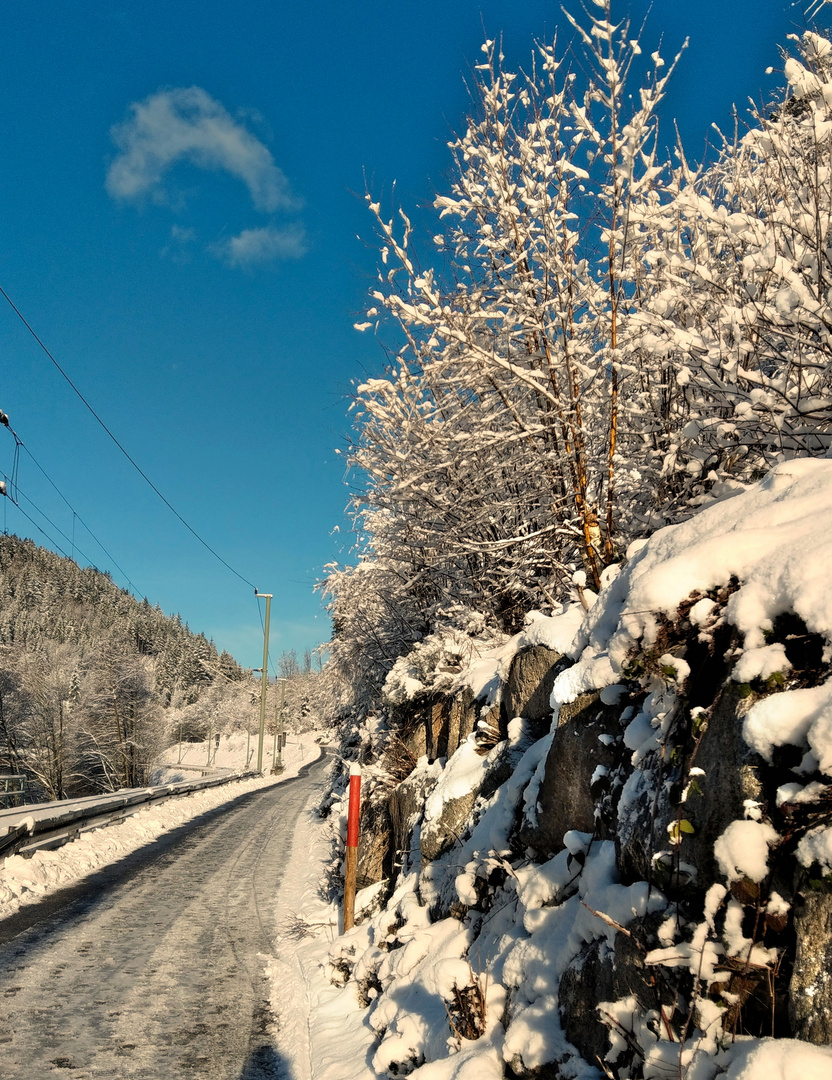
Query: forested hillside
92	680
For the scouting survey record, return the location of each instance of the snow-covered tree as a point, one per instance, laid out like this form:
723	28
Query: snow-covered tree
596	344
493	440
737	313
487	462
374	621
120	726
36	721
85	670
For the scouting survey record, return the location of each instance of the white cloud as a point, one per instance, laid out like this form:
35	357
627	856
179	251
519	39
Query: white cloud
181	243
187	124
182	235
253	246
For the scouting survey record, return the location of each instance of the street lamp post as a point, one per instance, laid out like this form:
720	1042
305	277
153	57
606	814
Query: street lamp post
264	682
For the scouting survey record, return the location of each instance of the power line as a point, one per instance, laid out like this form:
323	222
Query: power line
75	515
57	528
15	492
132	461
42	531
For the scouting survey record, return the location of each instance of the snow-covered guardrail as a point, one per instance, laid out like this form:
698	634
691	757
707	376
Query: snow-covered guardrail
26	829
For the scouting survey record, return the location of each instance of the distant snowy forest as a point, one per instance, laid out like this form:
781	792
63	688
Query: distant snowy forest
94	683
597	343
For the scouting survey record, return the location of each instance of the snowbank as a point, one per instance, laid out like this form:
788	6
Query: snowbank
490	932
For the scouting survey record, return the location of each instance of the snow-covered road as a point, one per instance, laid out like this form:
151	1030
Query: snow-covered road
155	967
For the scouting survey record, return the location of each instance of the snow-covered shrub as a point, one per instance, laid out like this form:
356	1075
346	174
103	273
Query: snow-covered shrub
736	310
432	665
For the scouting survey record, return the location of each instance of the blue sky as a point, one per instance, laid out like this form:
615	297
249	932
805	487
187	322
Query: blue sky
182	224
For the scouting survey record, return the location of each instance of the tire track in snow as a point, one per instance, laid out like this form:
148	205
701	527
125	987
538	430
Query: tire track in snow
155	970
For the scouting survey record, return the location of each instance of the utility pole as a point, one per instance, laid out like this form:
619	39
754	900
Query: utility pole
264	682
274	731
277	753
280	727
248	729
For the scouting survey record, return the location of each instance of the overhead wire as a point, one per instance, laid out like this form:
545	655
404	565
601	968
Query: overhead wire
126	454
75	515
18	494
48	519
41	530
15	493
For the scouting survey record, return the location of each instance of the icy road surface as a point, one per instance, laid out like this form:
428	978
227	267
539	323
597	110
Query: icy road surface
154	967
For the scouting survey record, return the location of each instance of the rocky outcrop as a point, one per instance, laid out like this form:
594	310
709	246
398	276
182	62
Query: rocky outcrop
528	687
414	727
732	779
810	987
444	832
373	844
406	804
637	796
448	809
437	724
580	756
598	975
463	713
448	819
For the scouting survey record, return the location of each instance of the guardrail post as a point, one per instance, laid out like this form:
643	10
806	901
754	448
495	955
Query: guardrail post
351	867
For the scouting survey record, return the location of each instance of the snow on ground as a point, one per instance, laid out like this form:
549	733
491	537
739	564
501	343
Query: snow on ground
322	1026
238	752
775	541
24	880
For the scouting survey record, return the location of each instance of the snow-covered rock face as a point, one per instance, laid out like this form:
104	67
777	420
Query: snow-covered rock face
774	543
707	852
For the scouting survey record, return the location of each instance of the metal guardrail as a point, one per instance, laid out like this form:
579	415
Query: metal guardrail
30	831
12	790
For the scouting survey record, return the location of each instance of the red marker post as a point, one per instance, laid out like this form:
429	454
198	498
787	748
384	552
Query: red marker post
352	847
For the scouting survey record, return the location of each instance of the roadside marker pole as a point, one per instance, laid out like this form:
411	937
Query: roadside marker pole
352	848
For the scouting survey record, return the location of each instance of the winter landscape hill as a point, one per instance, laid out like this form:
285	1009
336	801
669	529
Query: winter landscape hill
93	681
